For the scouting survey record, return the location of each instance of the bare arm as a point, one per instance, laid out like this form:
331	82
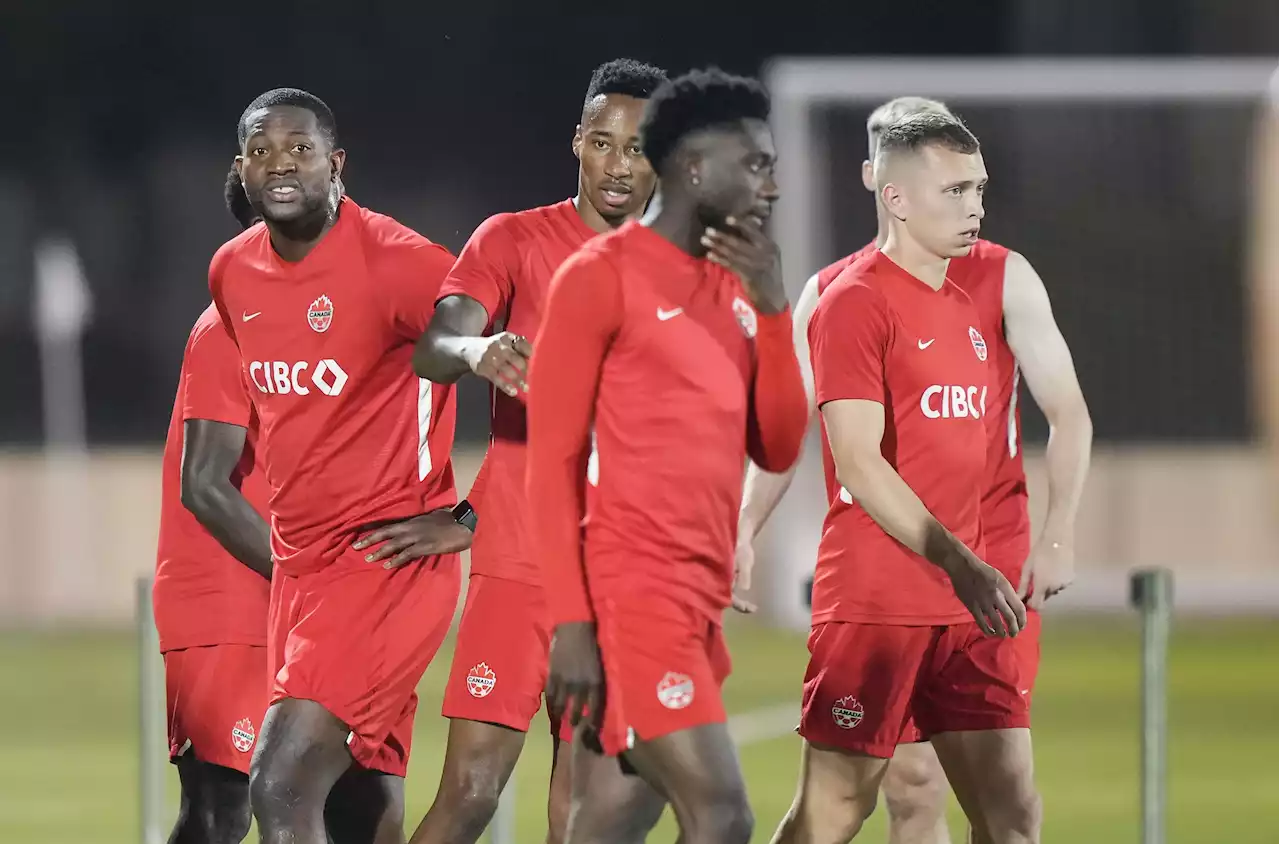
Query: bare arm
1046	364
452	341
763	490
210	452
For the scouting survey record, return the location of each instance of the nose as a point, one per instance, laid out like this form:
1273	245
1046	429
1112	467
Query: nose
281	163
618	164
769	191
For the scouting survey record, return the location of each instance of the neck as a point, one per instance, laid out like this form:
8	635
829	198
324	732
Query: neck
676	219
906	252
882	226
295	239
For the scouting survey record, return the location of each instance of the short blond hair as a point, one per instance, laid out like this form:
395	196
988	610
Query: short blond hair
891	112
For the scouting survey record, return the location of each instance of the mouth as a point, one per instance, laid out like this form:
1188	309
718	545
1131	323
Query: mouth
616	195
761	214
970	235
282	191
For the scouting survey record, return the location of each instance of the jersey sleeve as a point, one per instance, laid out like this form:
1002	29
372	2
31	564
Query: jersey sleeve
213	384
486	266
217	290
849	340
411	284
582	314
779	411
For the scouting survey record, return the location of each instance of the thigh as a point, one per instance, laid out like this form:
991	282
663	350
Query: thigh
972	682
216	698
609	803
990	771
359	639
694	768
860	683
218	795
301	753
500	657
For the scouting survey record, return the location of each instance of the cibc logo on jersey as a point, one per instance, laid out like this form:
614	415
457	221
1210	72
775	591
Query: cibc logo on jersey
278	377
952	401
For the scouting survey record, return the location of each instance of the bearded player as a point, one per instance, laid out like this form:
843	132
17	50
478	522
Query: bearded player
910	626
324	303
485	323
1027	343
666	342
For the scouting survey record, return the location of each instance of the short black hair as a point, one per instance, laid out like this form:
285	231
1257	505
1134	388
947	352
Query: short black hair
927	128
237	201
291	97
628	77
698	100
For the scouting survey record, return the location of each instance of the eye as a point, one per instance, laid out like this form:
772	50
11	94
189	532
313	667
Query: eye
956	191
600	144
258	151
635	150
301	148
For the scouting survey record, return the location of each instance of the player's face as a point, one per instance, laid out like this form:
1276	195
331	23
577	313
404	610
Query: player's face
613	175
940	199
736	175
286	164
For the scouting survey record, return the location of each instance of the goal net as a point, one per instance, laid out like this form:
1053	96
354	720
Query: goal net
1128	184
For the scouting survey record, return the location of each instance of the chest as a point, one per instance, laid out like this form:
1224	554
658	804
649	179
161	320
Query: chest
937	352
539	260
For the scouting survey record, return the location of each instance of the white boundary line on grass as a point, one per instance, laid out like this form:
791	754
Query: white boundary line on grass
764	724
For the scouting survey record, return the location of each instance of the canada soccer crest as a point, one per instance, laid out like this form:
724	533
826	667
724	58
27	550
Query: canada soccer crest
675	691
847	712
320	314
746	316
979	345
481	680
242	735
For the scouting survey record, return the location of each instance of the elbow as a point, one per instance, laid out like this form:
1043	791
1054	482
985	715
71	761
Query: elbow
428	361
196	495
781	454
1073	421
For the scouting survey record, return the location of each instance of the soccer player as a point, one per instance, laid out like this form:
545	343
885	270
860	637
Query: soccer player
324	303
1027	343
667	342
909	623
210	604
500	282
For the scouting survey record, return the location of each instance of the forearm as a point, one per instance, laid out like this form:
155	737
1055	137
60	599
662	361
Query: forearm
1067	466
231	520
899	512
444	357
779	402
762	491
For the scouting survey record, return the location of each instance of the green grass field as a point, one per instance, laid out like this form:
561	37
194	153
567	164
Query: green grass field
68	761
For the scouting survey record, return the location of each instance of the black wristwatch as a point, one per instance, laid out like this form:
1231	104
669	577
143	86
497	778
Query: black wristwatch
465	515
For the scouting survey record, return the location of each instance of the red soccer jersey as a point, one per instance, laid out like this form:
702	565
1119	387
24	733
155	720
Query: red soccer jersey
1006	525
351	437
203	595
682	379
507	266
880	334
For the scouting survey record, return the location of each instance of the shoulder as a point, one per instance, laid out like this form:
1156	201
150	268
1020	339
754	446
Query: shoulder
235	249
985	260
392	244
854	289
209	335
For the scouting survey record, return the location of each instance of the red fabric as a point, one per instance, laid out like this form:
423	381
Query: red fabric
878	334
1006	524
500	658
657	352
351	435
356	638
507	266
202	595
215	699
867	682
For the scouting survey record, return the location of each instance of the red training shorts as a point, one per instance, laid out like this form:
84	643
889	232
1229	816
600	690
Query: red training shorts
356	638
664	664
867	683
500	659
216	697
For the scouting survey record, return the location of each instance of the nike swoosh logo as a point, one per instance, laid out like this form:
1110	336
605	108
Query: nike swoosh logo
246	316
923	345
663	316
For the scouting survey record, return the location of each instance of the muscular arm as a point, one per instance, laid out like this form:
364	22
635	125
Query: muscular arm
855	428
452	341
210	452
1045	362
764	489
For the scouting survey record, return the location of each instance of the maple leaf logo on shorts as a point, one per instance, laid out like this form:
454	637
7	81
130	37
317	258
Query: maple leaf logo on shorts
481	680
847	712
675	690
242	735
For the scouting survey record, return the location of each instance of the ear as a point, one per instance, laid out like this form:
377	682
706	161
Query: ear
577	142
239	165
895	201
869	176
337	160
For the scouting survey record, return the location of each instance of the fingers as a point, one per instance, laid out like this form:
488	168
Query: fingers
1011	609
380	535
393	545
1037	598
521	346
743	606
594	704
554	694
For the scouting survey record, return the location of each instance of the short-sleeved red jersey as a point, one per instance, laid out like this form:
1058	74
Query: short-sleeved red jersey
350	435
1006	524
880	334
203	595
682	379
507	267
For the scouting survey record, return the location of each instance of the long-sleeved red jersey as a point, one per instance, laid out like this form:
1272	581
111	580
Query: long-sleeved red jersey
661	355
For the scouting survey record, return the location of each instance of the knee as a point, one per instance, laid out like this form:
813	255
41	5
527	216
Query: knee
830	816
225	822
726	820
915	787
470	798
1023	814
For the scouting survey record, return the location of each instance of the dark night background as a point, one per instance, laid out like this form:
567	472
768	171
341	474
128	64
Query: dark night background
120	121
